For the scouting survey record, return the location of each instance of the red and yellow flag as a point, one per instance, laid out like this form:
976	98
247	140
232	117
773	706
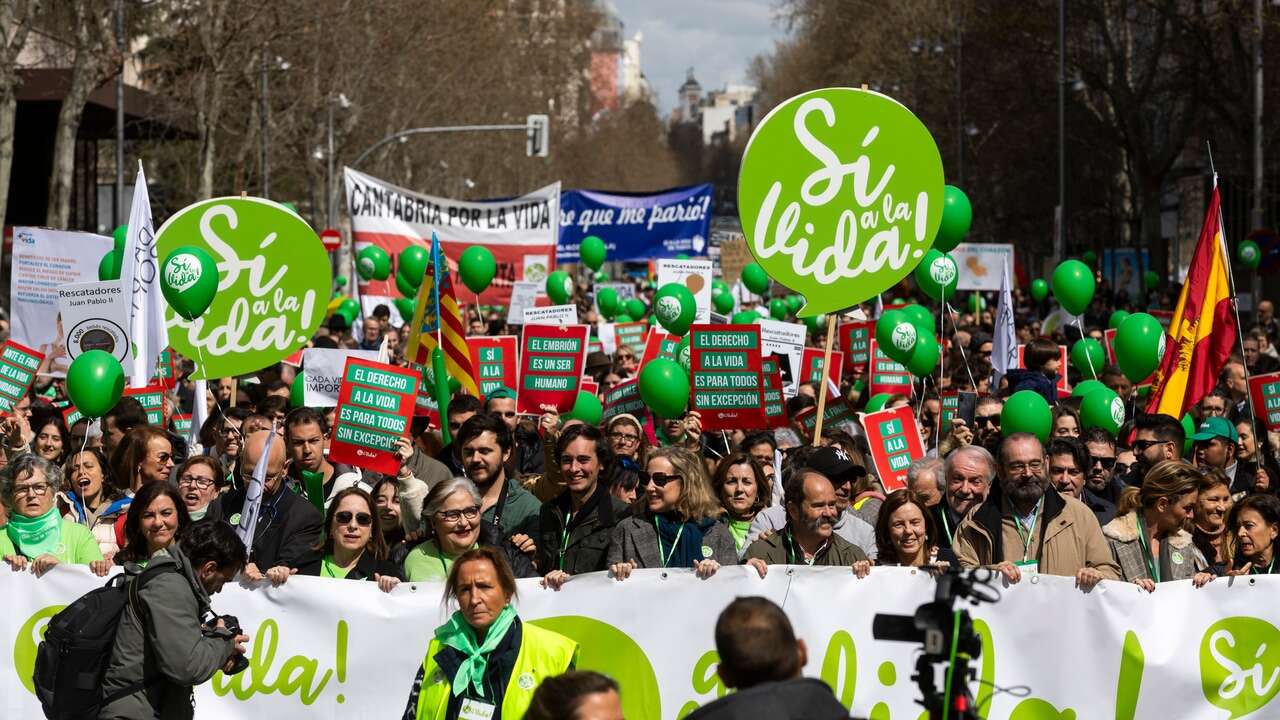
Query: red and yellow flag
1203	330
437	313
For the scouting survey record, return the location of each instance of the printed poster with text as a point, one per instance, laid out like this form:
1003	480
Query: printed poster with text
151	397
775	406
728	383
693	274
855	343
375	405
551	363
811	366
1266	399
625	398
658	344
631	335
887	375
894	438
18	365
495	360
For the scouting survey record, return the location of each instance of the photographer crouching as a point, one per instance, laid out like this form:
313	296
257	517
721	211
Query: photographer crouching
169	640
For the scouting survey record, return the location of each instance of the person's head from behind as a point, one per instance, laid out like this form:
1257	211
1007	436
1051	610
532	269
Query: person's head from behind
156	518
484	442
576	695
215	552
127	414
482	584
757	645
1042	354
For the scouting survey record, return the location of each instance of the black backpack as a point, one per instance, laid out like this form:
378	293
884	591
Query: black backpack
72	660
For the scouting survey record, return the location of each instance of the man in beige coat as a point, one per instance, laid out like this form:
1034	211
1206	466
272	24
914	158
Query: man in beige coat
1025	526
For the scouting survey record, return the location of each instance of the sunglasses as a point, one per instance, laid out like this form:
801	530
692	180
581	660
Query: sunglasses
1140	446
363	519
993	420
1106	462
1124	468
658	479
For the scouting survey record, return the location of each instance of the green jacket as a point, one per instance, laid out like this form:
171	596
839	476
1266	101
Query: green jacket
519	512
542	654
78	546
777	550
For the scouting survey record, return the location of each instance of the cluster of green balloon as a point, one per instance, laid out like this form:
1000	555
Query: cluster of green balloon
586	408
607	302
1026	411
109	266
1073	286
957	216
755	279
593	253
1039	290
675	308
476	268
1139	346
937	275
411	267
559	287
721	297
349	310
188	281
95	381
373	263
907	337
1088	357
1249	254
664	388
976	303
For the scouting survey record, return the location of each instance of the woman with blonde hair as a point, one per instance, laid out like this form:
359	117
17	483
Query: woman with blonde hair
678	526
1147	537
1209	530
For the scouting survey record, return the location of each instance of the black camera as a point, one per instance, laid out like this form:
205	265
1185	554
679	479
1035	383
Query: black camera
239	663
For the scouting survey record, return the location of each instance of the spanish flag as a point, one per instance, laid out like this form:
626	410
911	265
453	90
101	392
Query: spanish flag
437	322
1203	330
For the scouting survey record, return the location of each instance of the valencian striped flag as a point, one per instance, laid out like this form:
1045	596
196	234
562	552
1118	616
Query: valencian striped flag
437	322
1203	330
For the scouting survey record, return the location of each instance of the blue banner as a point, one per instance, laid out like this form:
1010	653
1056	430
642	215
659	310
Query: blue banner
634	226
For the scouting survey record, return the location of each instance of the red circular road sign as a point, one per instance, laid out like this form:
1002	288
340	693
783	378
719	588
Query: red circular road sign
331	239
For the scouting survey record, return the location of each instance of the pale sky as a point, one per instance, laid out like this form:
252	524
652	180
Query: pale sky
717	38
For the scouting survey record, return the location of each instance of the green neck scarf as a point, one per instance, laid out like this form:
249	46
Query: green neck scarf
36	536
739	529
459	635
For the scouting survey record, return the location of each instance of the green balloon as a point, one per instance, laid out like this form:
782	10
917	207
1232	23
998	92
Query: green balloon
1073	286
623	318
896	335
1139	346
876	402
664	388
189	280
406	307
1088	357
682	256
559	287
937	275
744	317
1084	387
109	266
413	263
636	307
298	391
1117	317
778	309
919	316
957	216
1039	290
795	302
682	354
977	303
924	357
1249	254
723	303
1151	279
593	253
1188	429
350	309
290	207
586	408
607	302
815	322
373	263
1026	411
1090	258
405	287
340	281
675	308
120	236
755	279
477	268
718	288
95	381
1102	409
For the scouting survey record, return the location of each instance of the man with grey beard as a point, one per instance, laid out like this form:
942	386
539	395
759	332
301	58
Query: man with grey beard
809	537
1026	527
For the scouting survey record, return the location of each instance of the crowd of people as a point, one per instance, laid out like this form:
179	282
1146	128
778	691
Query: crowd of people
516	496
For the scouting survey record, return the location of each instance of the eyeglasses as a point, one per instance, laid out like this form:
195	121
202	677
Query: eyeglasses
621	437
1105	462
993	420
230	429
34	489
195	480
363	519
1019	468
1124	468
658	479
1140	446
454	516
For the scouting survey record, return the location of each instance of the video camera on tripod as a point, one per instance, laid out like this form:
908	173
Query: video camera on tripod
948	638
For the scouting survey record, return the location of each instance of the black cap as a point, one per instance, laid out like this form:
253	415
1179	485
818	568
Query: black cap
834	462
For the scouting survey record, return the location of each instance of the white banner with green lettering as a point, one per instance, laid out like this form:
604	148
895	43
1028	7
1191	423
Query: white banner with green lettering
330	648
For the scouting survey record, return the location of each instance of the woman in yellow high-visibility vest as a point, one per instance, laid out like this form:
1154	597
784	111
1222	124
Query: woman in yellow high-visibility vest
484	663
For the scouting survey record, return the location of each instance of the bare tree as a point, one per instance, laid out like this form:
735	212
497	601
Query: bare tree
15	25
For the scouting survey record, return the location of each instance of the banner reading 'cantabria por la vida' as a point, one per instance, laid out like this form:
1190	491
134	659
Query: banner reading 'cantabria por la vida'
520	232
330	648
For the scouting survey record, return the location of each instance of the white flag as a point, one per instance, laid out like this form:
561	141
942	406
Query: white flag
248	524
140	277
1004	346
199	412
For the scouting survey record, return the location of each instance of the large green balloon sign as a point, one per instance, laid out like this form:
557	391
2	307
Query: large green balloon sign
840	195
273	283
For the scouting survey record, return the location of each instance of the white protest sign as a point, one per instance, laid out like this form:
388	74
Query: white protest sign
42	261
693	274
553	315
322	372
93	316
524	295
787	341
981	265
608	334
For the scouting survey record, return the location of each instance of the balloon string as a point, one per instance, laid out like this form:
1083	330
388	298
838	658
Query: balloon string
84	442
1088	360
963	357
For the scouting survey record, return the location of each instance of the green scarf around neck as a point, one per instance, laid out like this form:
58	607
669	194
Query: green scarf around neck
459	635
36	536
739	529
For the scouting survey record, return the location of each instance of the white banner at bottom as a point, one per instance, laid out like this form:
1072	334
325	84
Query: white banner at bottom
328	648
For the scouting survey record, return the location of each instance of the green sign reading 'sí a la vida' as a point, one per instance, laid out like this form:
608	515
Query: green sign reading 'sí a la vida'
840	195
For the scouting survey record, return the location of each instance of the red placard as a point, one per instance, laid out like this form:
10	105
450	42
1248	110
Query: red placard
811	366
375	406
589	386
887	375
152	399
1266	399
18	365
775	406
552	359
855	343
625	398
894	438
1109	342
659	344
726	377
495	360
1062	370
631	335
